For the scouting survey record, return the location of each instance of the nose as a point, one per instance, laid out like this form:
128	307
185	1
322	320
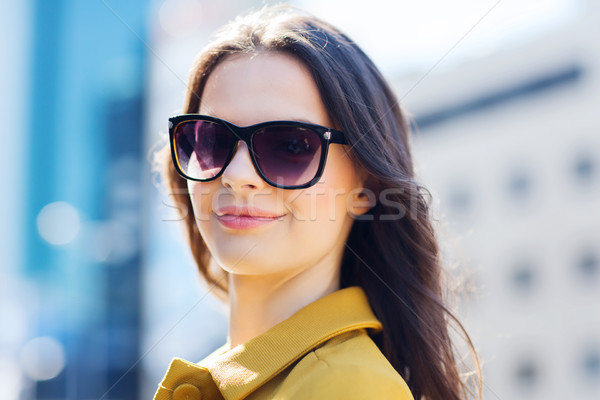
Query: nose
240	174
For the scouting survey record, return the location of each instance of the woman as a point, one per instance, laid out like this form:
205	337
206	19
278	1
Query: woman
293	166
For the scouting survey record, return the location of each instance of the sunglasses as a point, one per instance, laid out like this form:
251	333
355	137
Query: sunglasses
286	154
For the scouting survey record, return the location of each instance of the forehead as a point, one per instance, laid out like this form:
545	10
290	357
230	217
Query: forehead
246	89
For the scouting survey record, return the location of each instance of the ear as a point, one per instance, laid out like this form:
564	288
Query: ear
360	201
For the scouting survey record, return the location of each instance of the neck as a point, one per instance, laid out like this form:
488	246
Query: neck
259	302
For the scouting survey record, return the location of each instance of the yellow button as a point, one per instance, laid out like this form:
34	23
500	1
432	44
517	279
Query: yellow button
187	391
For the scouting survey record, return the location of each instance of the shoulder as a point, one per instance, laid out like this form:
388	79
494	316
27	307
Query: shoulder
346	367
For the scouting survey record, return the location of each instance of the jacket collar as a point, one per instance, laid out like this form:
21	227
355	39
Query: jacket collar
233	374
244	368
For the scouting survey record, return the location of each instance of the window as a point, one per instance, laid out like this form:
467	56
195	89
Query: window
526	374
584	168
590	365
523	276
520	184
588	266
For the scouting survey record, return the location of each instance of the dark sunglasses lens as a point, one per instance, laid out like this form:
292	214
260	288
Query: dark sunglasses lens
202	148
287	155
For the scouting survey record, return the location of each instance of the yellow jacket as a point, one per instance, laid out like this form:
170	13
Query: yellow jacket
323	351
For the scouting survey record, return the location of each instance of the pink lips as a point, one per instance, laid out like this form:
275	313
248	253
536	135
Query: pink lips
244	217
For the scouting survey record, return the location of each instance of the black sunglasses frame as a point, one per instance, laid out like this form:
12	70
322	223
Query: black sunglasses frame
326	135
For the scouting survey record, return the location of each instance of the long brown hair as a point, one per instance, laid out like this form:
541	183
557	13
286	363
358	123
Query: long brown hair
392	251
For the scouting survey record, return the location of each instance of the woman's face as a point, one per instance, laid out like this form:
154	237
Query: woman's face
314	222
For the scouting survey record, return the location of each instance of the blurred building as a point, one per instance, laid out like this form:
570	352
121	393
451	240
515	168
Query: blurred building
71	277
509	145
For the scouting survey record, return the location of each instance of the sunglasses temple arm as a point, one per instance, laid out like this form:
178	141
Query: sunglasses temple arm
337	137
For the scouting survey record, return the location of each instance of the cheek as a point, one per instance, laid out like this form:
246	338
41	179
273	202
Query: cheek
200	197
332	203
323	203
340	186
196	191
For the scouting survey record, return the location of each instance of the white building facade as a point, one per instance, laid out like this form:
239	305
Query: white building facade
509	146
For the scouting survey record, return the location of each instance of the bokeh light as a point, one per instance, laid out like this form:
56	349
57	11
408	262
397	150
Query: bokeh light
58	223
42	358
